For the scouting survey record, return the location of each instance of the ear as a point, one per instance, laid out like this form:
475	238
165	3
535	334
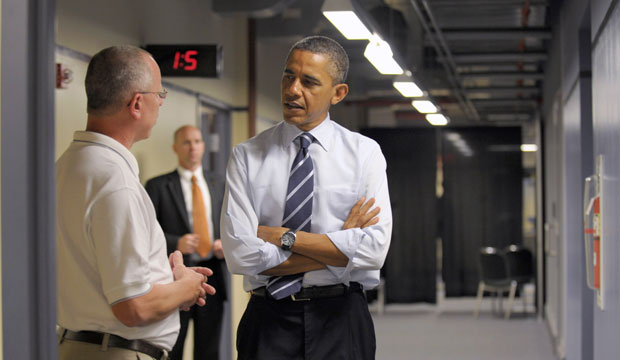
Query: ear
340	91
136	106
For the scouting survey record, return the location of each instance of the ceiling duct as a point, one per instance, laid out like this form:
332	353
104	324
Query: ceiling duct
251	8
427	20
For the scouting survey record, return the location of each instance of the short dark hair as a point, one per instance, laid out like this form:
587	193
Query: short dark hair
113	75
323	45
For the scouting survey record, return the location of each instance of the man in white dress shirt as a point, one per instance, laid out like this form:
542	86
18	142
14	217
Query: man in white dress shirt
118	292
173	198
335	250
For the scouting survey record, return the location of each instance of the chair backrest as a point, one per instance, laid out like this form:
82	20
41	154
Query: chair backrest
492	264
520	263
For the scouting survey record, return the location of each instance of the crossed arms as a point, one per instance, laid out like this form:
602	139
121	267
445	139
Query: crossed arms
315	251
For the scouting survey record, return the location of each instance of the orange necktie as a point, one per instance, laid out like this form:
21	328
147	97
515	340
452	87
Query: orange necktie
199	214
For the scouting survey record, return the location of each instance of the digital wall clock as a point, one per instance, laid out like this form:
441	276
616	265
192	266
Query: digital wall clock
188	60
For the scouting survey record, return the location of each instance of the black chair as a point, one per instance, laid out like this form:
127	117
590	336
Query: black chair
520	264
494	278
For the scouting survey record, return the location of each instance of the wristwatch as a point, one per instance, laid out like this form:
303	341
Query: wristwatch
287	240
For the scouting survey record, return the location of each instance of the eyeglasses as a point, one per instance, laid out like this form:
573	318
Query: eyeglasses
161	94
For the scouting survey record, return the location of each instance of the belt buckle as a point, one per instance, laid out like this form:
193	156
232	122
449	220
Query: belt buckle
302	299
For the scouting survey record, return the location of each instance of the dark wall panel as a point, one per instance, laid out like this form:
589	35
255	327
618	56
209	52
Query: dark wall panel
410	268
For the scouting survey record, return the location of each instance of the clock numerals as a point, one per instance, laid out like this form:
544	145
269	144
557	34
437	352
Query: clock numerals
177	56
190	60
185	61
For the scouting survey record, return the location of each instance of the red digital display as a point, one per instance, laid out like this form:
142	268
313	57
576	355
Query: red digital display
187	60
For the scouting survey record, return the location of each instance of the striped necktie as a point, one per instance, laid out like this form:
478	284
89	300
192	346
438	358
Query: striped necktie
297	212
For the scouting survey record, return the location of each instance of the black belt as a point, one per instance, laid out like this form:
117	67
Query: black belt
313	292
94	337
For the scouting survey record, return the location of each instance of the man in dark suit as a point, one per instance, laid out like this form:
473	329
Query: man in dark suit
188	202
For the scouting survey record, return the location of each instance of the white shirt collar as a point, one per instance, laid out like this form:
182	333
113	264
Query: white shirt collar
187	174
323	133
104	140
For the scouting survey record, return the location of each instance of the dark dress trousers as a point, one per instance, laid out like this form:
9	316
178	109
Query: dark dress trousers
167	196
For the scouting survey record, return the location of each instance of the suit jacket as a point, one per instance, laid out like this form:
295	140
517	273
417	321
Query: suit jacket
167	196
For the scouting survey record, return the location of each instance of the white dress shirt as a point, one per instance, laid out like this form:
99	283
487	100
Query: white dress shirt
185	176
110	245
347	166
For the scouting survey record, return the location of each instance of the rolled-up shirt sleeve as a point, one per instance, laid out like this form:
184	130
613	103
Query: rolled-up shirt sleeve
367	248
244	251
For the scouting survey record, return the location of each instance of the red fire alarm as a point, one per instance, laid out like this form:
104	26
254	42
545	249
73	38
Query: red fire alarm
63	76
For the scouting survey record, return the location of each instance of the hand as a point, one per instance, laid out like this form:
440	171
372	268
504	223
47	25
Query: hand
271	234
195	279
188	243
360	216
209	290
217	249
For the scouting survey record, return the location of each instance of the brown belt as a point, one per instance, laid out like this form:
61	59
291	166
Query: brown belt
94	337
313	292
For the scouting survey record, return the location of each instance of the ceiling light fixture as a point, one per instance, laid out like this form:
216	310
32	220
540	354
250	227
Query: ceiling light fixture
379	53
348	24
424	106
529	147
437	119
341	13
408	88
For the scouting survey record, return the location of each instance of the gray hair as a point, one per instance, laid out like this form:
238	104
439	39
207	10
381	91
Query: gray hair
113	75
339	64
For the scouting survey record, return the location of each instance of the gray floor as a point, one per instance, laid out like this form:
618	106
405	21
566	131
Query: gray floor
449	331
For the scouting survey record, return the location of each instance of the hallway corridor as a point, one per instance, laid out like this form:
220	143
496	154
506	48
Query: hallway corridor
449	332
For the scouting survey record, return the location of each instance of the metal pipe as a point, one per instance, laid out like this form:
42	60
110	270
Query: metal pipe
467	106
448	53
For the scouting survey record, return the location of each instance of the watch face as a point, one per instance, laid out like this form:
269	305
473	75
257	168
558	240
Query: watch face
287	240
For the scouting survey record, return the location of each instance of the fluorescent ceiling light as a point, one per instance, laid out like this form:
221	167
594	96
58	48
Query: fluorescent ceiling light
529	147
437	119
408	88
424	106
348	24
453	137
379	53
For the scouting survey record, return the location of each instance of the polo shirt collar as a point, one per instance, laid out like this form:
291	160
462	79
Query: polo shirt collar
110	143
323	134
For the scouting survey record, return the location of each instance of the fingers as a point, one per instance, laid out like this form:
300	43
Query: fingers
193	241
371	222
367	206
206	289
210	290
170	260
351	219
202	270
361	216
371	214
176	259
356	207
